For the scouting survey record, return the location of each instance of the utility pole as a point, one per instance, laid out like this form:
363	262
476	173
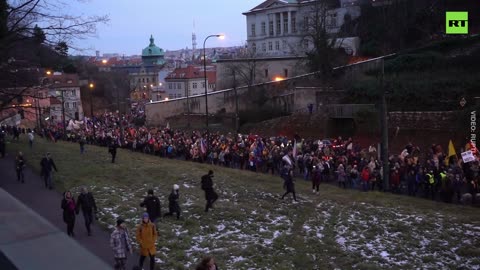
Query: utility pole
63	115
236	102
384	127
187	90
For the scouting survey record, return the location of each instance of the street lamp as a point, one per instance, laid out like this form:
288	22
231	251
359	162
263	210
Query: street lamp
205	75
92	86
48	72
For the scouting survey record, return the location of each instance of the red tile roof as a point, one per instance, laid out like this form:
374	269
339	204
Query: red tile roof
192	72
63	80
54	101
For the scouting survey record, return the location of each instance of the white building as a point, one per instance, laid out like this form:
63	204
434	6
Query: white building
189	81
276	28
65	88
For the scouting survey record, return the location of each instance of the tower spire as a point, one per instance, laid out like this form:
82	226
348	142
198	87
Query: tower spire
194	41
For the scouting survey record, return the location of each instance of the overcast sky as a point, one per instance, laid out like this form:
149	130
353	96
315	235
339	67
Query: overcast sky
170	22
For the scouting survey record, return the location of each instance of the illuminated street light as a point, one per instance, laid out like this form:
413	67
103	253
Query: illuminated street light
166	99
104	61
48	72
278	79
220	36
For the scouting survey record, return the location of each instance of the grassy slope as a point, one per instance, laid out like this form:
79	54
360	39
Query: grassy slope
252	228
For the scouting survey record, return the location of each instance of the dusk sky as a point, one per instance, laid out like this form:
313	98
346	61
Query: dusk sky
170	22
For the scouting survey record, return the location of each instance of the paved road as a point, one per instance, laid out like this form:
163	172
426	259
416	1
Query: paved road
47	203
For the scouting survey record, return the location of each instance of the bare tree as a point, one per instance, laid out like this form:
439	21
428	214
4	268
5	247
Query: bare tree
317	20
243	70
43	22
22	19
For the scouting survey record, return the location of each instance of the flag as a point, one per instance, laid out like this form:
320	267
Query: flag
168	125
203	147
451	152
294	149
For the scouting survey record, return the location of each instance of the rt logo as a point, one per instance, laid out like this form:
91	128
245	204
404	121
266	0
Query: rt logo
456	22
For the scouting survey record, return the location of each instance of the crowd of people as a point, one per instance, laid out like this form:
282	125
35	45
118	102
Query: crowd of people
429	173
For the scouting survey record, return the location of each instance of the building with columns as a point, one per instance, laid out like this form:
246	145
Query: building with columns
276	28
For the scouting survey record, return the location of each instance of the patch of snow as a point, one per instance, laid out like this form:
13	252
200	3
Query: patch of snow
221	227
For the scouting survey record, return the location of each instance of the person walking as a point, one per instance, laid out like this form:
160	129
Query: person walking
68	206
316	178
82	144
152	204
48	165
86	202
146	237
289	184
207	185
19	166
112	149
121	245
207	263
3	137
173	205
31	137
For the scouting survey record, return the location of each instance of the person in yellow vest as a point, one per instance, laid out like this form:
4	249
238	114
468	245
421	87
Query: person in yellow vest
146	237
430	184
443	185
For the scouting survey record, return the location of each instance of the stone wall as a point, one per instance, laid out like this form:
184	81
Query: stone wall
278	93
447	120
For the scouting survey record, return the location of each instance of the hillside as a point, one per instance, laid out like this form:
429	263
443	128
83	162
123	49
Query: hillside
251	228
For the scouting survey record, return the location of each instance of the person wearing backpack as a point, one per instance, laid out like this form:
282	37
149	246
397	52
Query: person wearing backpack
173	205
207	185
146	237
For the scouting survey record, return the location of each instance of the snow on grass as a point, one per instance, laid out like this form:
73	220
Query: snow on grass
385	237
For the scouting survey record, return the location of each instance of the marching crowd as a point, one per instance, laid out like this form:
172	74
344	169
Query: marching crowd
431	173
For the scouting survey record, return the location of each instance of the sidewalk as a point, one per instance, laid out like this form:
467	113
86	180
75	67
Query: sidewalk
47	204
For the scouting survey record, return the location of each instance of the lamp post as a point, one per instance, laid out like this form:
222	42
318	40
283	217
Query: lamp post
91	86
205	76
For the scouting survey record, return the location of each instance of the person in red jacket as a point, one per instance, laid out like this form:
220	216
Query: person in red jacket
365	178
395	181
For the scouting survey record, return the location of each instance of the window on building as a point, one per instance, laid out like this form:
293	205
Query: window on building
138	79
270	46
333	20
284	44
305	44
179	86
266	73
285	23
264	47
194	85
74	104
174	86
264	29
270	28
147	80
169	85
253	30
277	45
74	93
203	85
278	26
294	23
143	80
254	47
285	73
